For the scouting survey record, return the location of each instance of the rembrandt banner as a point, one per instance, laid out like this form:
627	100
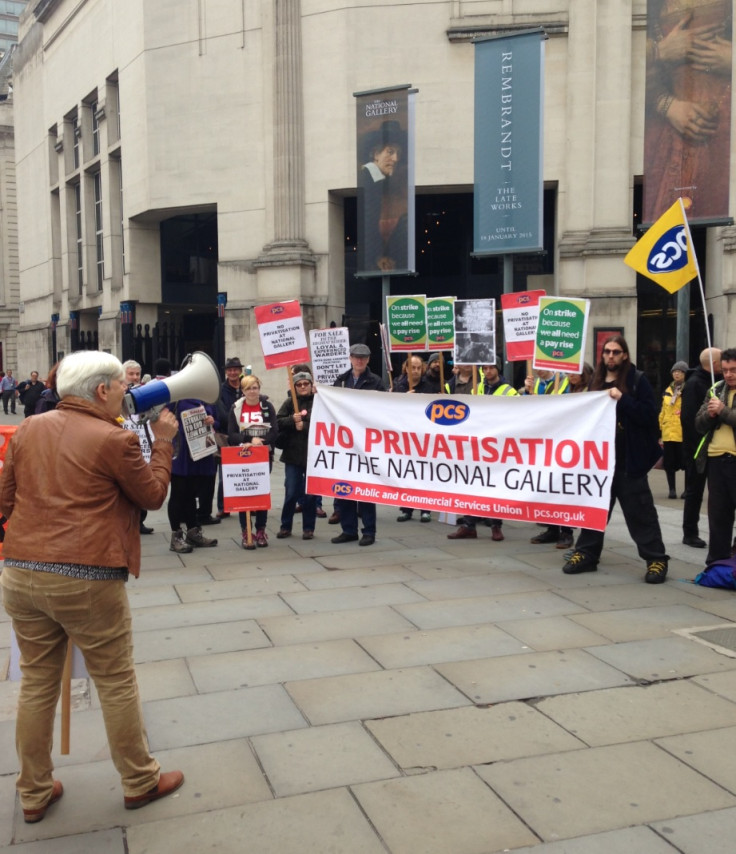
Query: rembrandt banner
687	126
534	459
509	77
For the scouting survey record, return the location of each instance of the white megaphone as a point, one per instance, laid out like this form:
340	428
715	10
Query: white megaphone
198	378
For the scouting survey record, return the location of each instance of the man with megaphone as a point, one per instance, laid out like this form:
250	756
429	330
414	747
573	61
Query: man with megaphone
72	488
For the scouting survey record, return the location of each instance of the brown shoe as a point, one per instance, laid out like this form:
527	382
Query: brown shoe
32	816
464	532
308	535
321	513
167	783
496	533
334	519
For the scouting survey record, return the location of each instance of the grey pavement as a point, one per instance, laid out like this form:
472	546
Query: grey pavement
420	695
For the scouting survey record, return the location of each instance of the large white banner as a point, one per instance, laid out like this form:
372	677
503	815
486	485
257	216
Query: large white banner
533	458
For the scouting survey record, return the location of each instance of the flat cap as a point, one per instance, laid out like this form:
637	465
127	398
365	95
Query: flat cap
360	350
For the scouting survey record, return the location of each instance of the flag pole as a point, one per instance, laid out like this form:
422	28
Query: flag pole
691	249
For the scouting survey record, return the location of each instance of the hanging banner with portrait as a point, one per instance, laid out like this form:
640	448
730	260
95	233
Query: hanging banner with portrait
385	161
687	129
507	201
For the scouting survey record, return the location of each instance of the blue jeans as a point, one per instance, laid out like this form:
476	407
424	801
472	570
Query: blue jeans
295	479
349	516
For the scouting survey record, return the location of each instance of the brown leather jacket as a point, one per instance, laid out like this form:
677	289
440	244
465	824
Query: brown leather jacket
72	487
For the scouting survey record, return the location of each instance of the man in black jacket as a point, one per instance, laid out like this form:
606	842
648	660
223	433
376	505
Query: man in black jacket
30	392
636	452
359	376
694	392
229	393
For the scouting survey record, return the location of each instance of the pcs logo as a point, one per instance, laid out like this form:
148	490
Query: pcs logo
342	489
669	253
447	412
277	309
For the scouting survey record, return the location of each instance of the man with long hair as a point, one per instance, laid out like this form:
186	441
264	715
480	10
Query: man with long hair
636	452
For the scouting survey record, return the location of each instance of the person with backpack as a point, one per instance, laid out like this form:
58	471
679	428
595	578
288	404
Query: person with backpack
636	451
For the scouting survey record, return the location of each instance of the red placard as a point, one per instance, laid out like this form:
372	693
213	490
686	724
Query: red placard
246	479
520	315
281	330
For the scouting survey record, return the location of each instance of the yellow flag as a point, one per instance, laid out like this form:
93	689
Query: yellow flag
664	253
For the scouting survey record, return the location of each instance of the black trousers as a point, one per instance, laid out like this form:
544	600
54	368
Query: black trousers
183	500
694	488
721	506
635	499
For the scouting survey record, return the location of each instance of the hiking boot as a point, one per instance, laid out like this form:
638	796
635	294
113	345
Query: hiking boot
425	516
547	536
404	516
195	537
564	541
179	544
580	562
463	532
244	542
283	534
656	572
261	538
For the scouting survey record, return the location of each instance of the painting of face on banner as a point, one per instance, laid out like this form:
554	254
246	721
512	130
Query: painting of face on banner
536	458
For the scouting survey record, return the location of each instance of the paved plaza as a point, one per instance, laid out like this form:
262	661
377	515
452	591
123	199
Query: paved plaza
419	696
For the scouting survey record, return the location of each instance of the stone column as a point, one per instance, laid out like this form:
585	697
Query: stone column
289	246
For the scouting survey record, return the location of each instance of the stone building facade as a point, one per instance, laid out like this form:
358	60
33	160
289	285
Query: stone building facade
144	129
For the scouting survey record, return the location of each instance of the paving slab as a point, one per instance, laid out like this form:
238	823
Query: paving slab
7	808
216	776
450	811
109	841
616	597
711	753
537	674
490	584
314	823
159	577
301	628
238	588
631	624
602	788
159	680
349	557
362	577
162	644
228	570
630	840
722	605
141	596
636	713
278	664
324	757
547	633
341	599
202	613
373	695
457	643
663	658
723	684
222	716
470	735
486	609
712	832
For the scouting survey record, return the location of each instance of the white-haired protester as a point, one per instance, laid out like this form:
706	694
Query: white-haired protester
72	487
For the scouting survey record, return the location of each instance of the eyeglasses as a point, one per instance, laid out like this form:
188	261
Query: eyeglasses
607	352
728	370
302	382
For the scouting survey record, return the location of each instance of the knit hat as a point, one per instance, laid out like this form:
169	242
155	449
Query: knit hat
302	375
433	358
680	366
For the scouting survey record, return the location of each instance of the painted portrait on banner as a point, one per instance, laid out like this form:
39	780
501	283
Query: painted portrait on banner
687	135
385	183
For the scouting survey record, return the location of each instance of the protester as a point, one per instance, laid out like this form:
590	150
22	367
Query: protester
187	475
49	397
561	535
671	427
544	383
492	384
636	450
8	387
462	381
432	380
229	393
132	377
252	422
29	393
71	487
693	394
293	439
411	380
359	376
716	420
